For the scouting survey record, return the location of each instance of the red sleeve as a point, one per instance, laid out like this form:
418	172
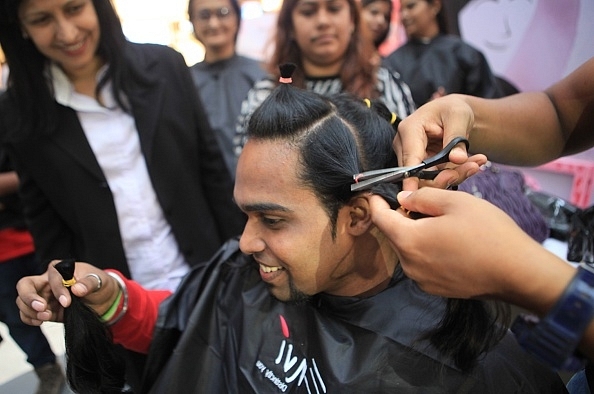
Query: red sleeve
135	330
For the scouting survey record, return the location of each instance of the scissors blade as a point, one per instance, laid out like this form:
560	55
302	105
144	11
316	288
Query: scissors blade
368	179
375	173
390	177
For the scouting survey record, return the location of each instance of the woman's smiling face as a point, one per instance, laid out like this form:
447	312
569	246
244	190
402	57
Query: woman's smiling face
65	31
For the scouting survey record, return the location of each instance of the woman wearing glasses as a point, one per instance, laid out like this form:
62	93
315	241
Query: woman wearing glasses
224	77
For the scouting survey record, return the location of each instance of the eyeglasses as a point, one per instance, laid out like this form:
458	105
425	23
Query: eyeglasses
205	14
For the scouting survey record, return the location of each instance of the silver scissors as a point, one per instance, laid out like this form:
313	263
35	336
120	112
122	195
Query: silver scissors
366	180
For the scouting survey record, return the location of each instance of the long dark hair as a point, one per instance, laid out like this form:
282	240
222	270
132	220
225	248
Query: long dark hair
357	74
337	137
28	88
93	364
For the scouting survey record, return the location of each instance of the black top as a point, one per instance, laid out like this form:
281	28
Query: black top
11	210
445	61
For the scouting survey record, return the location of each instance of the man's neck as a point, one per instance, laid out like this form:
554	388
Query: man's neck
375	262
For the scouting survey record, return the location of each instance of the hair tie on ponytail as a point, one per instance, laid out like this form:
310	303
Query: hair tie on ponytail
286	73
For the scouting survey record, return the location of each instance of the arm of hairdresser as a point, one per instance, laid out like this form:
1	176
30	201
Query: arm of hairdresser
43	298
494	259
525	129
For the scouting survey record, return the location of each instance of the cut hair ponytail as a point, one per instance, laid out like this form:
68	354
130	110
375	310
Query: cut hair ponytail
92	365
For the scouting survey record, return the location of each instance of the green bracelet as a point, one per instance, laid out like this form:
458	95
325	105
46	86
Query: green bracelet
124	292
107	316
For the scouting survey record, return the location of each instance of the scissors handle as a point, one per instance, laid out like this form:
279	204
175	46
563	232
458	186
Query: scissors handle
443	156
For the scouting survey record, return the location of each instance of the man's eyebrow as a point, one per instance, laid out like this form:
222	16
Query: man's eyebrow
263	207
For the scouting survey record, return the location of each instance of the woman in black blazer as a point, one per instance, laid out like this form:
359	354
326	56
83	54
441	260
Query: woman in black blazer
118	165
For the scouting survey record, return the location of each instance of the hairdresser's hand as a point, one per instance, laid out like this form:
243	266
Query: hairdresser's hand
44	297
428	130
469	248
454	175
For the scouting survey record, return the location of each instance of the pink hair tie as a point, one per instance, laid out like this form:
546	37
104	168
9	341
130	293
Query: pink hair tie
285	80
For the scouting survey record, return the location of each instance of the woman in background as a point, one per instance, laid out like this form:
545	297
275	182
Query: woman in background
332	53
377	14
434	63
224	77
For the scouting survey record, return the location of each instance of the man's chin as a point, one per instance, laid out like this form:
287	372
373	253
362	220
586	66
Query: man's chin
289	296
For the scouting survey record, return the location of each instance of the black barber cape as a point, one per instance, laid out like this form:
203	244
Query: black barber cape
222	332
445	61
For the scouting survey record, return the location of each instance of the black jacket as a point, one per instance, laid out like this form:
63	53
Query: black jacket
11	209
445	61
68	204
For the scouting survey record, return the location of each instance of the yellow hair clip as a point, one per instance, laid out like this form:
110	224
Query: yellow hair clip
394	118
367	102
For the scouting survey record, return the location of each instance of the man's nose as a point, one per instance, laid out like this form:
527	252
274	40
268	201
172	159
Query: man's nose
250	241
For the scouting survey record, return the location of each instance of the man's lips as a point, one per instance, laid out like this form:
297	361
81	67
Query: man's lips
268	269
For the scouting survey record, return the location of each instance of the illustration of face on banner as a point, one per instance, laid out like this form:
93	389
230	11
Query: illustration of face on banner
532	43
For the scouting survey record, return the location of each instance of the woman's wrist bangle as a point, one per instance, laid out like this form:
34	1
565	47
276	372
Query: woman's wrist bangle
123	294
108	315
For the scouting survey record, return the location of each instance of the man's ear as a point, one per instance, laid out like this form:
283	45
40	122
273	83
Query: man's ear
360	215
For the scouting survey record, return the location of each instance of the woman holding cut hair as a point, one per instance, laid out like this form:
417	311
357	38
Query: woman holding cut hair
117	163
333	54
112	147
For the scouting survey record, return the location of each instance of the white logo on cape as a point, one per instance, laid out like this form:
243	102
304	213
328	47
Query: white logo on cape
301	371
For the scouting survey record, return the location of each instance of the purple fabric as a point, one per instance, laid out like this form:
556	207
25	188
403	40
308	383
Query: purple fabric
506	189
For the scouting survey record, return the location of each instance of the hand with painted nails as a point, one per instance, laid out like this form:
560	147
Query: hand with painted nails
43	297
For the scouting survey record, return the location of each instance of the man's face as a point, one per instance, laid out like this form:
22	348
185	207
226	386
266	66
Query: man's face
288	232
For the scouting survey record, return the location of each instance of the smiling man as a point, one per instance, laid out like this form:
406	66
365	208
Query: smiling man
311	299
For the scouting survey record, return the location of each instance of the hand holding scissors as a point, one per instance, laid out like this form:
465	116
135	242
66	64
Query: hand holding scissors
366	180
